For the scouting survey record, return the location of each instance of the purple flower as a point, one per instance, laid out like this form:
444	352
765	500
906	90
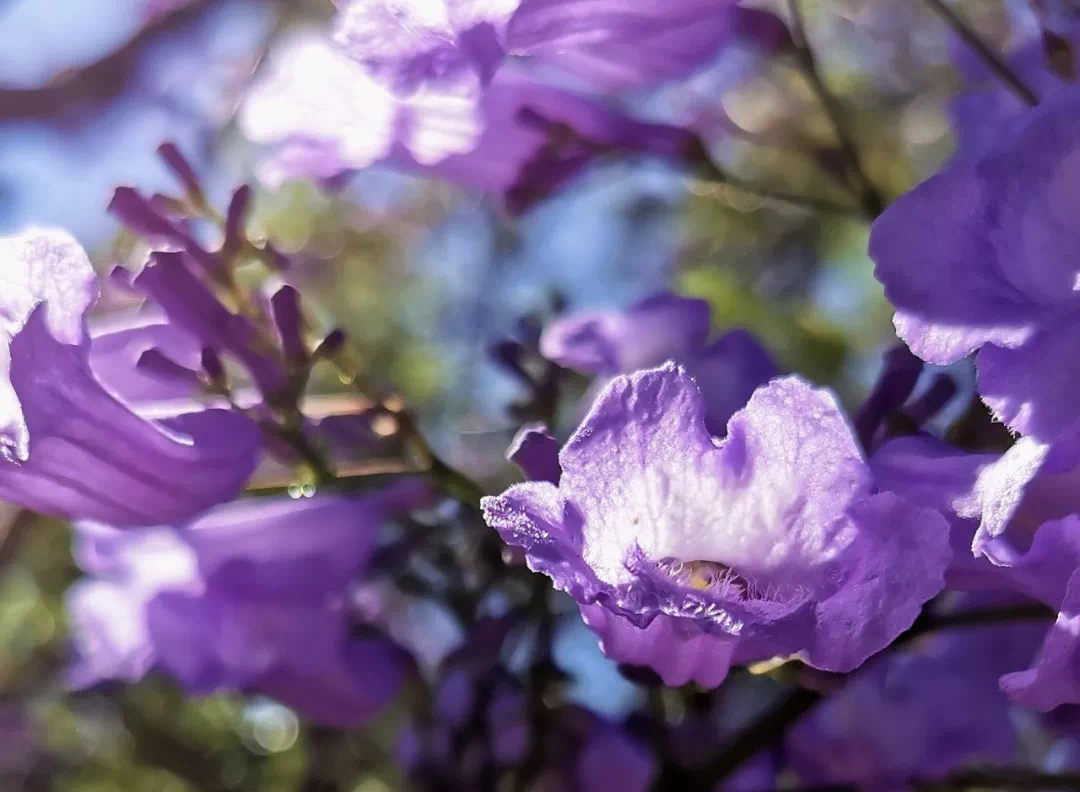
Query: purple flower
1050	572
327	115
1019	513
934	475
244	597
408	44
1030	529
148	363
70	446
173	281
921	712
612	761
657	329
478	706
979	112
609	45
688	553
980	258
626	44
323	116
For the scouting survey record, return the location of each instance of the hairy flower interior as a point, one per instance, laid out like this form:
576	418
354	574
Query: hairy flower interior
711	576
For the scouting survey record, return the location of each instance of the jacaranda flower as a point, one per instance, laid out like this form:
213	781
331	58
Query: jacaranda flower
71	447
252	596
981	257
1020	514
657	329
324	116
923	711
608	45
688	553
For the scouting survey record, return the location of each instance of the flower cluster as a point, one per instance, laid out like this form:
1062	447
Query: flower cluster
144	433
457	89
781	570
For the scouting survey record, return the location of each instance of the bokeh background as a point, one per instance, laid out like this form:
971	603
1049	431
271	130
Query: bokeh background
425	277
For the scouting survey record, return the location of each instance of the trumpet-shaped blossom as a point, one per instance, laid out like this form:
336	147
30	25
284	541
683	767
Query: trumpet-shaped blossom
407	44
981	257
323	115
610	45
1029	528
71	447
250	596
1019	513
657	329
688	553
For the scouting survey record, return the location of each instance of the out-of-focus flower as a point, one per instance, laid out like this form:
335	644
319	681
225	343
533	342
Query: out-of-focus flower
688	554
921	712
252	596
661	328
979	112
410	45
608	45
1019	514
479	707
536	452
324	115
577	749
70	446
981	258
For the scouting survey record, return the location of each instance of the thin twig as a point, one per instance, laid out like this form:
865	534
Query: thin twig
717	181
869	197
990	59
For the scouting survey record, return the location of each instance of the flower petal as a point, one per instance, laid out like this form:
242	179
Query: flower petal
675	648
90	457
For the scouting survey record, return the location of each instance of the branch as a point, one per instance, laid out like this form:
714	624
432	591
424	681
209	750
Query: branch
1000	778
717	181
977	617
990	59
869	197
758	735
99	81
